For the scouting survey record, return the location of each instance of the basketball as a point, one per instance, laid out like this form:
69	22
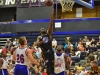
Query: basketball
48	2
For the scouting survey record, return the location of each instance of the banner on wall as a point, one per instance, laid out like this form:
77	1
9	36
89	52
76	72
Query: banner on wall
14	2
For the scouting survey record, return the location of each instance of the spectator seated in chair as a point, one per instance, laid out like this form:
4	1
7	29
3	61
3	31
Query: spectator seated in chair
94	68
91	57
79	67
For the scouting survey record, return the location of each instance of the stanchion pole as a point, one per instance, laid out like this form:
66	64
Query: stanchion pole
56	10
30	3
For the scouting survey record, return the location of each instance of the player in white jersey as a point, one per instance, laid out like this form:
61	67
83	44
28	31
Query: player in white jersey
3	64
22	57
60	61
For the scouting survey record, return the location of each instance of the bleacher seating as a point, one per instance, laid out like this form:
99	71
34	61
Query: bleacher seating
60	39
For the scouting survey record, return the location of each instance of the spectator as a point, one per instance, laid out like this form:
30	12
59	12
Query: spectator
75	69
40	69
15	42
0	49
69	47
91	57
79	67
79	44
69	59
99	38
54	43
13	20
70	44
88	42
9	56
84	71
93	41
8	44
65	46
88	73
36	71
80	40
34	45
44	72
31	69
96	55
78	72
85	39
87	65
93	47
69	50
67	39
98	44
98	69
38	55
87	49
94	68
81	48
4	49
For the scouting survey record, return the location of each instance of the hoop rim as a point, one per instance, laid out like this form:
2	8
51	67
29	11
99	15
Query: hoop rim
67	5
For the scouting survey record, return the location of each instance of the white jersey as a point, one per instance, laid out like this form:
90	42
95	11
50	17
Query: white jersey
21	57
5	64
60	63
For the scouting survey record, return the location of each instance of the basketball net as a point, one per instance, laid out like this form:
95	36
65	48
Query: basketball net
67	5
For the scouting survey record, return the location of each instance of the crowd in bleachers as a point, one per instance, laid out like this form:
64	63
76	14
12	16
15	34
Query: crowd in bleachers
83	56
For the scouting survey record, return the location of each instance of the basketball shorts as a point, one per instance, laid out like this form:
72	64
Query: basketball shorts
50	64
61	73
49	56
3	72
21	70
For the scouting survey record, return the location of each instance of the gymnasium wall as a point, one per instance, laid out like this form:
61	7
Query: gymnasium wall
86	13
33	13
78	26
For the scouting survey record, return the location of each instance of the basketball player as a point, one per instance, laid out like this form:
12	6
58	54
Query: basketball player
22	57
45	42
3	64
60	61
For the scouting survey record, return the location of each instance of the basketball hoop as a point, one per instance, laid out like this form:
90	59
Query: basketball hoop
67	5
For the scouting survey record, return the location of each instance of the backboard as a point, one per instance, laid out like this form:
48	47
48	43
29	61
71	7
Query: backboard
86	3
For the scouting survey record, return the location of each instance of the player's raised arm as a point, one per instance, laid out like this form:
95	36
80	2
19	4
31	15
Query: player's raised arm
1	62
50	29
30	57
14	56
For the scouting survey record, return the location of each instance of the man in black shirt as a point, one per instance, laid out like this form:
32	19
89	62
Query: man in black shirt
45	42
